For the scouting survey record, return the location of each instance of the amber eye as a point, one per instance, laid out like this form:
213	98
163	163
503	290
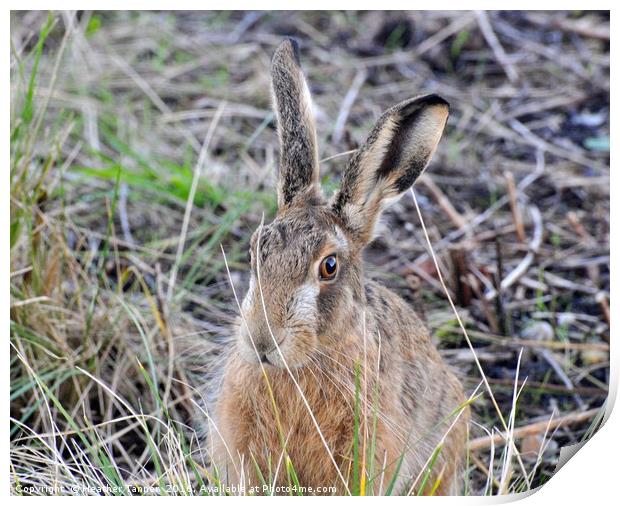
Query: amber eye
328	267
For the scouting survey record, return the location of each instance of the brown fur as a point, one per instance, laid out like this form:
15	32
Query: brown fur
318	332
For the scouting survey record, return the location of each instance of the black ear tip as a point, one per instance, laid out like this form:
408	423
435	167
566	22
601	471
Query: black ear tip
434	99
290	47
295	45
414	105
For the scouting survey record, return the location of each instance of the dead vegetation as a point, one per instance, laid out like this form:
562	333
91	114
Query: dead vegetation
147	140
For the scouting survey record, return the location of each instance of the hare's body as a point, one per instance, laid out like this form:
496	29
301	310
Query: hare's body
411	418
320	350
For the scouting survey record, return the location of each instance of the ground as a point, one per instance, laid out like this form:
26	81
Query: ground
118	279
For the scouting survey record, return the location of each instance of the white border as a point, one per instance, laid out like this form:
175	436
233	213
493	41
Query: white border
591	477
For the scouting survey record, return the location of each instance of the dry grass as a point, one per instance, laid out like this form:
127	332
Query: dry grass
118	284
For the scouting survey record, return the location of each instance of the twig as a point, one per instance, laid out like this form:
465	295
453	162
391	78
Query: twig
551	387
338	155
578	227
498	50
460	268
488	313
535	106
554	149
514	207
583	26
248	20
525	263
559	282
347	103
456	26
550	359
567	61
554	345
534	428
443	201
601	298
497	281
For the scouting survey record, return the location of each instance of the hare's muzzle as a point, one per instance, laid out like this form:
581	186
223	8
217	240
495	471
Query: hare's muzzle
259	342
279	329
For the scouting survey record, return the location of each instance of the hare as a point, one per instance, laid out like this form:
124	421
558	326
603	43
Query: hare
327	364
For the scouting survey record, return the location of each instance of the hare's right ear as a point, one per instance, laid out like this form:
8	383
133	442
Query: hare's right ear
395	153
299	164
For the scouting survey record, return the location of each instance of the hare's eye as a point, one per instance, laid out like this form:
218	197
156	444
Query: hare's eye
328	268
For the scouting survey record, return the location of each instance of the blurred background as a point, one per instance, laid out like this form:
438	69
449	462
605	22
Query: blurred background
142	141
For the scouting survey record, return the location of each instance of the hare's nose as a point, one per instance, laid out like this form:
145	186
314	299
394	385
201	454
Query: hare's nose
264	348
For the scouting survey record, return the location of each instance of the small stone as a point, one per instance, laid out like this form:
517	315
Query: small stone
592	357
566	319
538	331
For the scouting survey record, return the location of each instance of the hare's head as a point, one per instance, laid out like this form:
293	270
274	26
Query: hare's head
306	286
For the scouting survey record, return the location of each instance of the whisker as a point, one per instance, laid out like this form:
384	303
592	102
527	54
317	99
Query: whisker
320	371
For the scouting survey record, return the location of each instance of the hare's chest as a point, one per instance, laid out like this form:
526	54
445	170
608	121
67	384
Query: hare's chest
312	424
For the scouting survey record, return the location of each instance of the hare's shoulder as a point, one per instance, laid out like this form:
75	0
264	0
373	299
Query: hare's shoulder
405	337
396	320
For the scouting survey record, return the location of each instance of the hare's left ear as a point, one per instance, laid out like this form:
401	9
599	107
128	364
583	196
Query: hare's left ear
299	163
395	153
